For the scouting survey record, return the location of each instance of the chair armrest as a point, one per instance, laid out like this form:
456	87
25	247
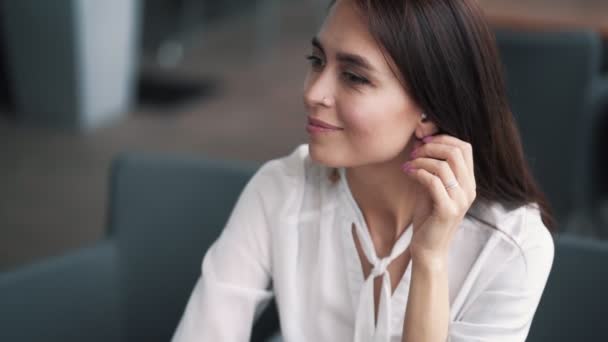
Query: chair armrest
574	303
74	297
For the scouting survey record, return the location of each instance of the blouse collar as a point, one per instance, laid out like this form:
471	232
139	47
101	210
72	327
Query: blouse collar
365	327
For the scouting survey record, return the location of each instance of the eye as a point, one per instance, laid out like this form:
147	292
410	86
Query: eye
354	78
315	62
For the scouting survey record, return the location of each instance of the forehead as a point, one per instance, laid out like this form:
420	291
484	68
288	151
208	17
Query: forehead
345	30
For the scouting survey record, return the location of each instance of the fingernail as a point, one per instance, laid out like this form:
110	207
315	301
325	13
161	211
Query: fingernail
427	138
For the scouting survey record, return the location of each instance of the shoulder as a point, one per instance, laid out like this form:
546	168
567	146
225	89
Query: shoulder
281	179
521	239
521	227
286	170
290	165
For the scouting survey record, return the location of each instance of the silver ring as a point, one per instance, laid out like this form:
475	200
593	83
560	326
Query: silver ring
451	185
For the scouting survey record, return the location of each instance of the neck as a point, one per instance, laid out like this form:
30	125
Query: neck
386	197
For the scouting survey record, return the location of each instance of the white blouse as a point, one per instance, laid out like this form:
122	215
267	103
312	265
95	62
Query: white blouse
290	235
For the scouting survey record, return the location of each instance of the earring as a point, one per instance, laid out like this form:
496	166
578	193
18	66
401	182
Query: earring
326	101
424	117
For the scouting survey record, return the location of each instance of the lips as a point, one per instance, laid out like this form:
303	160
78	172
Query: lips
322	124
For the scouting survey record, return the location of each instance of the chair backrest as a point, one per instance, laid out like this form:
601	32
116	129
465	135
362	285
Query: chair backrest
548	79
165	212
575	301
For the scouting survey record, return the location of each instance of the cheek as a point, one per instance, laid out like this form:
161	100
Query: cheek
360	121
374	117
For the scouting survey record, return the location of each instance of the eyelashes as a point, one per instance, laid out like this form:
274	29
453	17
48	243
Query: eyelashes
316	63
354	78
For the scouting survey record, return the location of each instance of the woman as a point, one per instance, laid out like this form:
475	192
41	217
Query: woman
411	215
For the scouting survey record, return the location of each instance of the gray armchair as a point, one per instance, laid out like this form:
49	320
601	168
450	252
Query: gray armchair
164	212
551	77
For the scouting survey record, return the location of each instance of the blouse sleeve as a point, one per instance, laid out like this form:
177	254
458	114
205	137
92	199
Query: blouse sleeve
504	310
235	279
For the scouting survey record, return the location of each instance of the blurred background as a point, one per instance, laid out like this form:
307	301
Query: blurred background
83	81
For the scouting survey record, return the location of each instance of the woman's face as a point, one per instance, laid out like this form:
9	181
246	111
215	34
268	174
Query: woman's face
350	85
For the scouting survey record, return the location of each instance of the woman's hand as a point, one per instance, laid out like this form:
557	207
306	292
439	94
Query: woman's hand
443	165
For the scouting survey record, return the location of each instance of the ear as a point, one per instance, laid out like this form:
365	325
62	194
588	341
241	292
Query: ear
425	127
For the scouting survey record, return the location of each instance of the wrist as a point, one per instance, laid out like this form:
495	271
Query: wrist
432	262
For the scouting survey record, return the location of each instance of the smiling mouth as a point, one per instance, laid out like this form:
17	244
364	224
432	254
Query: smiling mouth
322	124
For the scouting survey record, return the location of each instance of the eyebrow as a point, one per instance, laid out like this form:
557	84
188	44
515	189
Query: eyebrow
347	58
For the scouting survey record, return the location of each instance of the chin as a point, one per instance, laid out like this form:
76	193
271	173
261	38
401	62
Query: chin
336	158
325	156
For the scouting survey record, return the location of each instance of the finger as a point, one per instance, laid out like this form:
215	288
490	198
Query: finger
452	155
441	200
465	147
443	170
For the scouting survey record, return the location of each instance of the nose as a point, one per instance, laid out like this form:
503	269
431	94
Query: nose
319	90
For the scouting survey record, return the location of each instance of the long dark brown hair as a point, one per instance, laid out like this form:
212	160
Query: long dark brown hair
446	57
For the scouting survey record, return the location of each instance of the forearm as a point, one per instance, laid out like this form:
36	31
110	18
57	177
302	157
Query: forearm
428	306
